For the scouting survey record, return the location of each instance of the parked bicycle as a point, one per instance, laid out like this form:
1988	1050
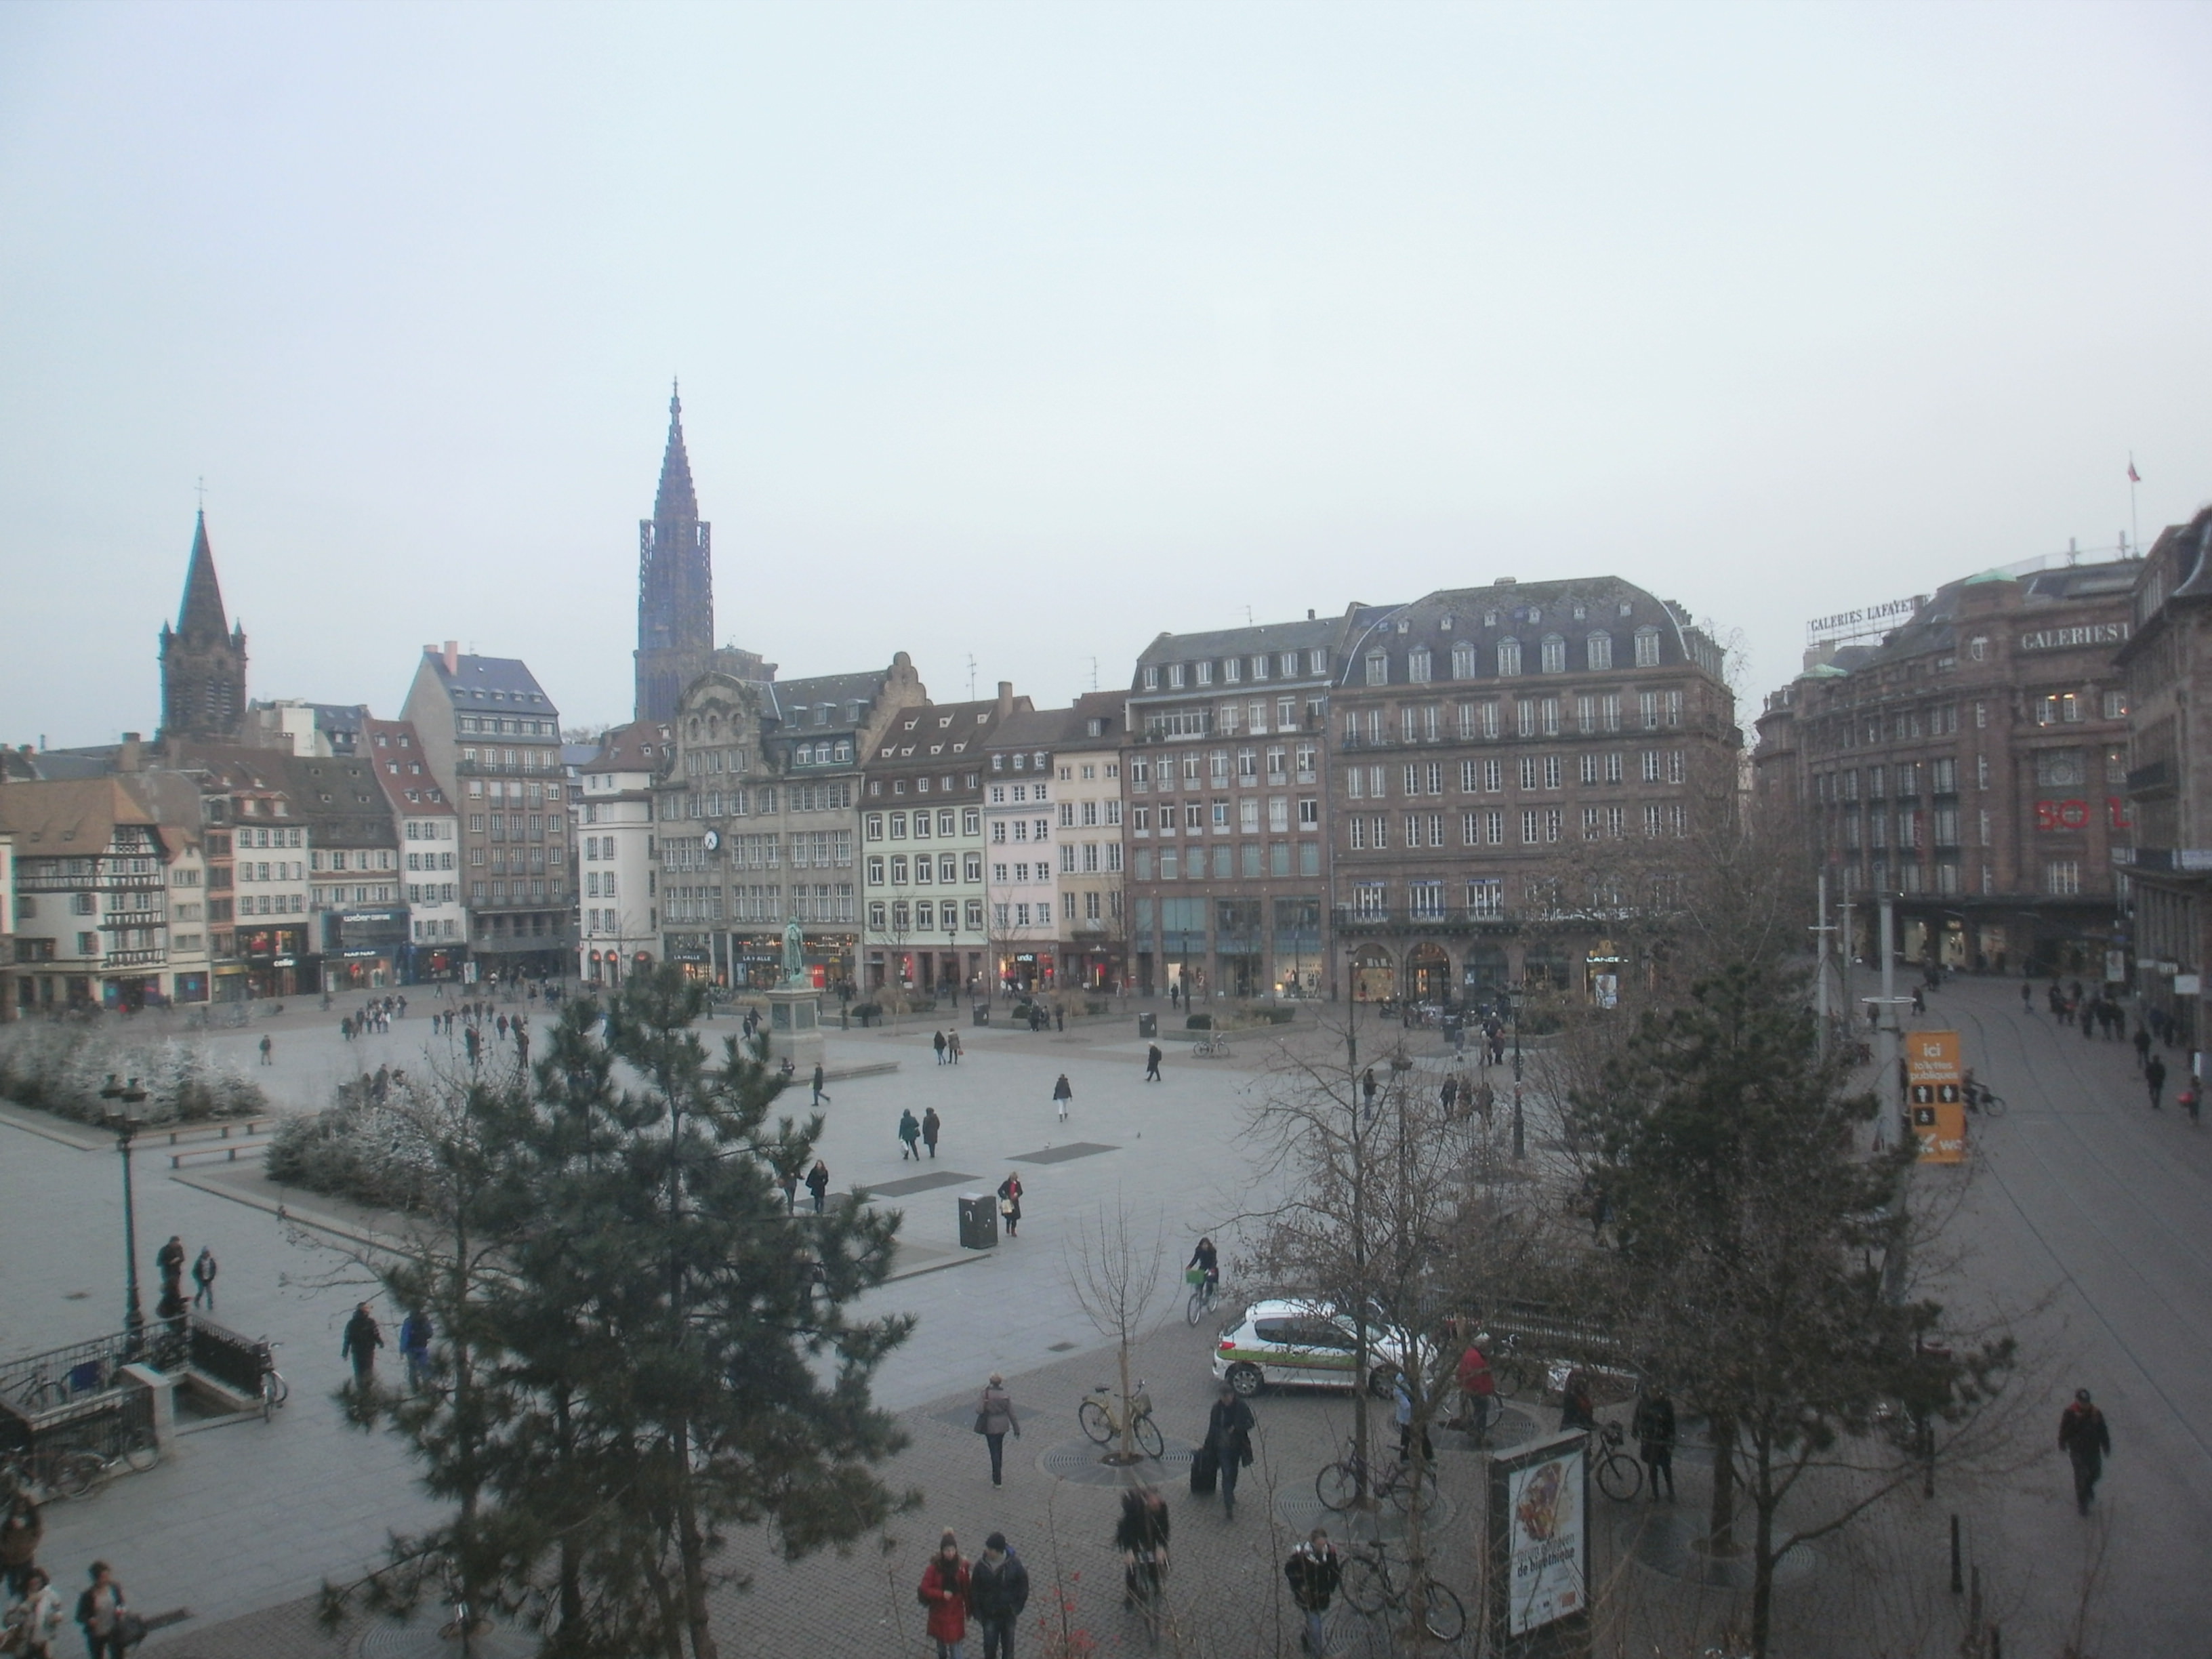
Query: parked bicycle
1338	1486
51	1472
1375	1583
1104	1422
1620	1476
1212	1046
273	1388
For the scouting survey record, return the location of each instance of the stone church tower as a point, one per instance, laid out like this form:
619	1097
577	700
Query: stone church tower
202	659
675	585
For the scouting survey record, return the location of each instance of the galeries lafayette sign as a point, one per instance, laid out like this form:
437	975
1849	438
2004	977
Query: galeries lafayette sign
2069	639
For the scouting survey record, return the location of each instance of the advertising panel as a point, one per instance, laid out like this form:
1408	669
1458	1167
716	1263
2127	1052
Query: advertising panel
1540	1539
1934	1095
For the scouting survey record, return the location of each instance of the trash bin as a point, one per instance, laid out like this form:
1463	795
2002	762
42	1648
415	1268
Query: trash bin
1148	1026
982	1013
979	1221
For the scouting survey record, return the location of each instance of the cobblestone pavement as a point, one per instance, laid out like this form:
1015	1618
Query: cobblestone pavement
2081	1204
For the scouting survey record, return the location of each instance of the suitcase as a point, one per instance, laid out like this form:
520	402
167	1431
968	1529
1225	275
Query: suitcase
1203	1472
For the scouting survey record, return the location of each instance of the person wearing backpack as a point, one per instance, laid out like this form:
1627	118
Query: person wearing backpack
998	1591
945	1583
995	1417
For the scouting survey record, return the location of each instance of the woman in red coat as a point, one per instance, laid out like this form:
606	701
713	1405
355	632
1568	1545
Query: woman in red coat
944	1592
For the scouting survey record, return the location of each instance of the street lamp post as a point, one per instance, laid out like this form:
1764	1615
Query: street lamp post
1513	1000
124	1115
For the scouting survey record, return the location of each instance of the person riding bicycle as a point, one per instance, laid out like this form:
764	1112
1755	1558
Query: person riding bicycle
1141	1536
1970	1091
1207	1259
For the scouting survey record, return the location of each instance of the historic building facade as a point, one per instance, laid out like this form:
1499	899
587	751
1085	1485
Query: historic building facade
493	740
615	843
1488	745
1973	763
1224	817
926	929
2167	659
436	917
757	816
203	657
1094	926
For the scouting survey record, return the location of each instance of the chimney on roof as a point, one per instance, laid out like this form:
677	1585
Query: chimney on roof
453	658
131	755
1310	615
1005	698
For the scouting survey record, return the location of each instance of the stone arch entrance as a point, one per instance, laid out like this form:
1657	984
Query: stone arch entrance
1486	971
1428	974
1374	974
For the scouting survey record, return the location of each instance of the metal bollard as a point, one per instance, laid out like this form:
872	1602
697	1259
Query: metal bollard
1958	1584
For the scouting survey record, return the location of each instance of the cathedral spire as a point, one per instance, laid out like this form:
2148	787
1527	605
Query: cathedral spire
675	499
202	614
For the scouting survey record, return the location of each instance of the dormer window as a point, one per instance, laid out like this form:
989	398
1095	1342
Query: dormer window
1600	648
1205	673
1232	669
1509	656
1378	668
1174	677
1462	666
1647	648
1554	654
1259	671
1417	665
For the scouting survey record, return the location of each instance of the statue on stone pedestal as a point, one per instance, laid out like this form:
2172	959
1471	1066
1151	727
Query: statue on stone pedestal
794	955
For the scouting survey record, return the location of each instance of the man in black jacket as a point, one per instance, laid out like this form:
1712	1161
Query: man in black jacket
1229	1437
998	1591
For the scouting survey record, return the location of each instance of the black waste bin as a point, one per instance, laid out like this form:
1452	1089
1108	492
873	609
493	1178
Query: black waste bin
979	1221
982	1013
1148	1026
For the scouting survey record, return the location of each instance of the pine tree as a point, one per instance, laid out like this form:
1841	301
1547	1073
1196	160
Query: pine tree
637	1336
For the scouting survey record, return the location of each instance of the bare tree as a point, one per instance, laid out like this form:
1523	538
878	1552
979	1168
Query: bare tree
1115	1275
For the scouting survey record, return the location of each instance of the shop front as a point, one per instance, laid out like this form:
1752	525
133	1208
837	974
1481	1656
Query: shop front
271	955
1428	974
1374	974
190	987
130	993
365	953
693	952
1601	970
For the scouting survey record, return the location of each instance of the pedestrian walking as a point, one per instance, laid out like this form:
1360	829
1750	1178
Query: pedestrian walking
34	1623
945	1588
931	1125
818	1183
104	1613
1402	1408
1448	1097
1368	1086
170	1260
1058	1018
2085	1437
910	1131
1229	1437
1478	1390
2191	1100
1061	1094
952	1046
266	1045
363	1337
2027	997
1152	1064
1576	1409
998	1591
1010	1204
1313	1572
1141	1536
21	1530
937	1041
1654	1427
2154	1076
415	1348
821	1098
994	1421
789	1182
2142	1045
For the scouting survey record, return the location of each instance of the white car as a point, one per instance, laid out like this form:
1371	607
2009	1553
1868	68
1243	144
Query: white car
1302	1344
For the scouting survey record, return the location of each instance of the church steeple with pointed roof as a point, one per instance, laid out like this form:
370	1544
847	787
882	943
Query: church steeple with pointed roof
675	583
203	657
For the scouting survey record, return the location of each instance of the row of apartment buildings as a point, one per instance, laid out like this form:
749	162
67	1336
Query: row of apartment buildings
1377	804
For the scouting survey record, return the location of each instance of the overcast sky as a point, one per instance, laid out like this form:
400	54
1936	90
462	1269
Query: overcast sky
1023	333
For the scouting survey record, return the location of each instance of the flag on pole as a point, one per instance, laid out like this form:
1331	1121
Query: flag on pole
2134	477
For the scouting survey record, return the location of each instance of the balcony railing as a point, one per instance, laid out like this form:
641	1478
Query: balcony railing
1351	918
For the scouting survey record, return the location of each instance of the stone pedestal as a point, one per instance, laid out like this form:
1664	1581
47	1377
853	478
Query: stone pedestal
794	1029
